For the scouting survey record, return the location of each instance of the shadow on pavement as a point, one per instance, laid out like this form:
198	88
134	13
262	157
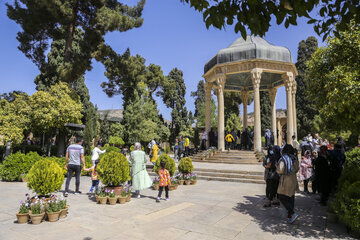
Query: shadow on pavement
310	224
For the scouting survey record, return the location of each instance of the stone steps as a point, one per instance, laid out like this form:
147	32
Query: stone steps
224	175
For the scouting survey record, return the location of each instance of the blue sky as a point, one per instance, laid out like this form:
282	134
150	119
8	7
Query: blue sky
173	35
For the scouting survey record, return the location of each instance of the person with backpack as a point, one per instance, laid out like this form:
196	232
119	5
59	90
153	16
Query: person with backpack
287	167
229	140
271	177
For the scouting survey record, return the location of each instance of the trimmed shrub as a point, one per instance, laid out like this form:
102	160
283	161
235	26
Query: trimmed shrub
347	198
60	162
185	165
116	141
167	149
45	177
113	169
16	164
132	148
170	164
111	149
88	164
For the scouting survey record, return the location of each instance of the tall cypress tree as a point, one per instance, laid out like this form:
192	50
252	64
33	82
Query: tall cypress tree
305	107
265	111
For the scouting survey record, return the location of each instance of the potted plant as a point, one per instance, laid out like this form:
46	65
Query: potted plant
128	191
173	184
53	210
193	178
112	197
113	171
37	211
180	178
102	197
45	177
123	196
64	208
23	214
187	179
156	183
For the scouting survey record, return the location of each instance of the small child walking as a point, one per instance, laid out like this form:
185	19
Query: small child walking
164	181
94	176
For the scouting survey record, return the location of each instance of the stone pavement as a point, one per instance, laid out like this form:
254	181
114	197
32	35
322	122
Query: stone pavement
207	210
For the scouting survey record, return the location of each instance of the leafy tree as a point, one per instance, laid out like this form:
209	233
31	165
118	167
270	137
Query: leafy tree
53	109
173	95
336	81
256	15
117	130
14	118
105	129
233	123
200	97
265	111
232	101
45	21
305	105
11	96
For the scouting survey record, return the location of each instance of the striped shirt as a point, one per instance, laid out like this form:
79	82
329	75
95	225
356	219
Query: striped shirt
75	151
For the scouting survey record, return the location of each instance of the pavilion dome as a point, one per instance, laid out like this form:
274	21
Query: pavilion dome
249	49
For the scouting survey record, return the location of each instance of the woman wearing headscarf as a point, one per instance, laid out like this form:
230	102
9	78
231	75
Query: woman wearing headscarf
271	176
287	168
306	170
323	174
154	150
267	138
139	176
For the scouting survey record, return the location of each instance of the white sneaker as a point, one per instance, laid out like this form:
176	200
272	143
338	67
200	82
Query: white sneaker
139	196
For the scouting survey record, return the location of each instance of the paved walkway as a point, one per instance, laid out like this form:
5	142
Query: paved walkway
208	210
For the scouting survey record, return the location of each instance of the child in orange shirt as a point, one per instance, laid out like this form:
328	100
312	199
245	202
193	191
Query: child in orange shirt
94	176
164	181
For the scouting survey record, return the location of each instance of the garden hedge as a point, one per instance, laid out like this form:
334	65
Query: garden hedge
347	197
16	164
170	164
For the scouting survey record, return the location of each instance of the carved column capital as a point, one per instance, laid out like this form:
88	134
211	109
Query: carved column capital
220	81
288	78
256	77
294	88
272	93
244	94
208	87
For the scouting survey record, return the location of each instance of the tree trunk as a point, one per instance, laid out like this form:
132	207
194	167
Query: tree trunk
60	140
70	35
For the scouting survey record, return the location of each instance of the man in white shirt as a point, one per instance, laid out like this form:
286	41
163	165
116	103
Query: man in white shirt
95	154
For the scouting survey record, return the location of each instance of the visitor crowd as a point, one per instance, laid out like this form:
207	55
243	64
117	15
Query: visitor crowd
320	163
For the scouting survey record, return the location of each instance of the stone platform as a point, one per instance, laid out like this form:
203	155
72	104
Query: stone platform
210	210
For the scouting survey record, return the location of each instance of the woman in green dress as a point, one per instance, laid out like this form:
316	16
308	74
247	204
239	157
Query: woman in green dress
139	176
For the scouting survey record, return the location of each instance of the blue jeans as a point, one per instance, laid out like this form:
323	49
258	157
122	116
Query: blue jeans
95	183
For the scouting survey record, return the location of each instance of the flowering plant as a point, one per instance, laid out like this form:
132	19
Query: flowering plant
173	181
107	192
37	207
25	205
179	176
101	192
53	205
124	193
193	176
187	176
127	188
112	194
62	203
156	180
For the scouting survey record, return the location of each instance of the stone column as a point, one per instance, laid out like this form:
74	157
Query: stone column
289	79
294	108
272	94
244	99
279	127
220	80
208	88
256	77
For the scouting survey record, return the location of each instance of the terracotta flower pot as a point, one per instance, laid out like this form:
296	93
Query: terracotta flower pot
207	156
53	216
171	187
102	200
202	158
193	182
64	212
112	201
22	217
117	190
97	198
187	182
36	218
156	187
181	182
128	198
176	186
122	200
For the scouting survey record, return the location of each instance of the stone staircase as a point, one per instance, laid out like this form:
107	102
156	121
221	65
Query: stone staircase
232	157
217	172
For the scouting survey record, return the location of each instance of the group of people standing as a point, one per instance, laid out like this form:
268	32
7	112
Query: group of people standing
319	164
181	148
